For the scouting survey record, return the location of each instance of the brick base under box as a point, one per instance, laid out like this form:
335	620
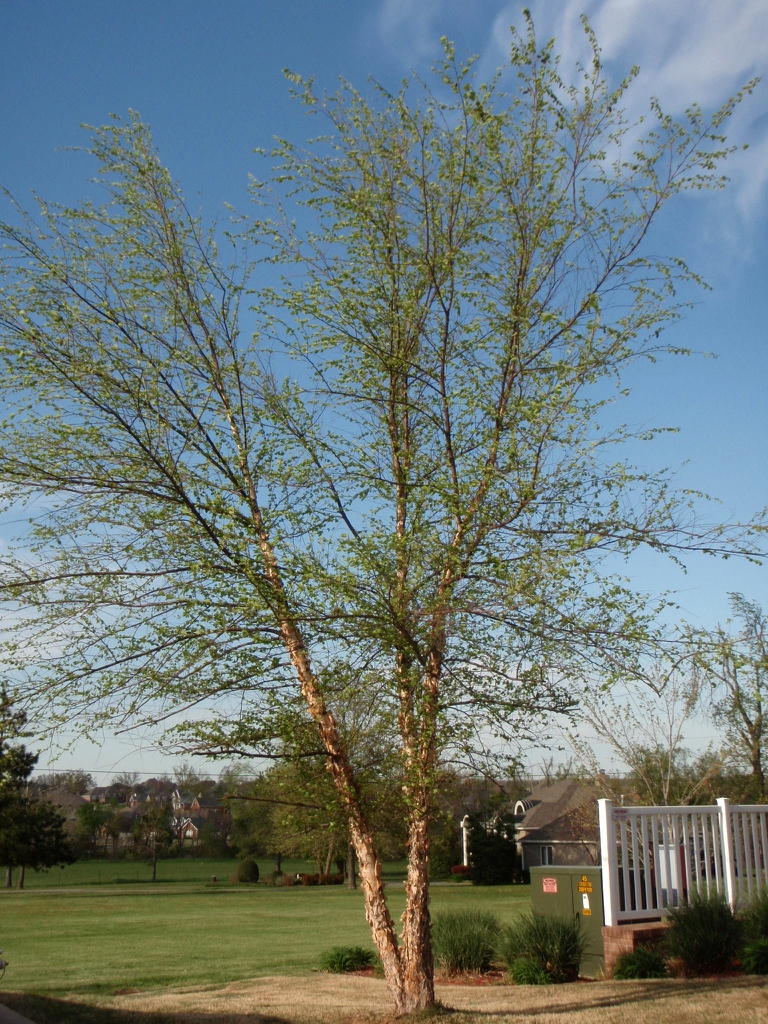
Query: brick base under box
625	938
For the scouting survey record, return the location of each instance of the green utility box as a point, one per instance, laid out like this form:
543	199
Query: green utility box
566	891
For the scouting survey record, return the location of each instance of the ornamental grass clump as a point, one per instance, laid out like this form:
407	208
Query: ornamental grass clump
755	918
464	941
345	959
543	950
704	936
643	962
754	959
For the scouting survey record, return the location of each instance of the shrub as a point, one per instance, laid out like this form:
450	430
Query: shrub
644	962
310	879
755	918
248	870
343	959
464	940
443	848
461	871
704	937
289	880
494	853
754	960
555	945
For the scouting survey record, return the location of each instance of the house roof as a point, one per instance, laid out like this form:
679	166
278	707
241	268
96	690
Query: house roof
552	814
63	798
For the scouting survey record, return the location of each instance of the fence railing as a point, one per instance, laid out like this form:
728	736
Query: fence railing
654	858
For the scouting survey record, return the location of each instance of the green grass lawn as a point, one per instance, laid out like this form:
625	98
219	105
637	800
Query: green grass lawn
181	869
100	941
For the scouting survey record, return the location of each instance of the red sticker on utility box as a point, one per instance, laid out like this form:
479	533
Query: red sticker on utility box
549	884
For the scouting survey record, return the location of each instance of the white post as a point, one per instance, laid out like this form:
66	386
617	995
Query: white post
465	840
729	862
609	861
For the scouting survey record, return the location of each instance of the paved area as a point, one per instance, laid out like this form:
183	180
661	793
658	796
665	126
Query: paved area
11	1017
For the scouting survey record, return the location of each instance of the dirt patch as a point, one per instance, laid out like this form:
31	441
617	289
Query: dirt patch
339	999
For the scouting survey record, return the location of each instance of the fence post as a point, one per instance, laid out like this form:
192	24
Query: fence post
465	840
609	861
726	842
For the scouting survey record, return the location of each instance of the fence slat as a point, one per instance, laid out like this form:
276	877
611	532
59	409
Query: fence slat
717	853
756	852
638	901
624	895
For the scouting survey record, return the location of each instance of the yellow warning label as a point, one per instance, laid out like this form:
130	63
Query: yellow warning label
585	885
586	912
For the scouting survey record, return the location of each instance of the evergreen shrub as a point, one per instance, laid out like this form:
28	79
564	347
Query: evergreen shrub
494	852
248	870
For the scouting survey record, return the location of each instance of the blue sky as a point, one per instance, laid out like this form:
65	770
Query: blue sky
208	79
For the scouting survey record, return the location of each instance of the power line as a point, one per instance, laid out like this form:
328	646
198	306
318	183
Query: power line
126	771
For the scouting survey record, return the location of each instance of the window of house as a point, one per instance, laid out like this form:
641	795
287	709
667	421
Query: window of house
547	855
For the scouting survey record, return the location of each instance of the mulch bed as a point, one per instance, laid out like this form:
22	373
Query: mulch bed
490	978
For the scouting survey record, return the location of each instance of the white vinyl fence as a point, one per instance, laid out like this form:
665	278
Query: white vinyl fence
654	858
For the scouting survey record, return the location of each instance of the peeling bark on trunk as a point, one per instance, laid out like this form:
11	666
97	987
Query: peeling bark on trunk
417	939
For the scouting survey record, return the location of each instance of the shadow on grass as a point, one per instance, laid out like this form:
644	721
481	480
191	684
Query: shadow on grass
626	994
48	1010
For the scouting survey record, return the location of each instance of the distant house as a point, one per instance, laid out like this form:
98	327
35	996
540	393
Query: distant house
151	791
104	794
203	806
67	803
557	825
188	830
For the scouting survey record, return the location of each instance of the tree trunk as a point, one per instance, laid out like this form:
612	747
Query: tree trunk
337	762
351	873
329	858
8	878
417	938
279	863
154	860
758	773
22	872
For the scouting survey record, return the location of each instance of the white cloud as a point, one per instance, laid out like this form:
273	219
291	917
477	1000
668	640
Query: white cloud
408	26
688	51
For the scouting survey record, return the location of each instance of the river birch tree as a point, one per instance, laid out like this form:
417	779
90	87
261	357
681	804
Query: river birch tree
390	470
